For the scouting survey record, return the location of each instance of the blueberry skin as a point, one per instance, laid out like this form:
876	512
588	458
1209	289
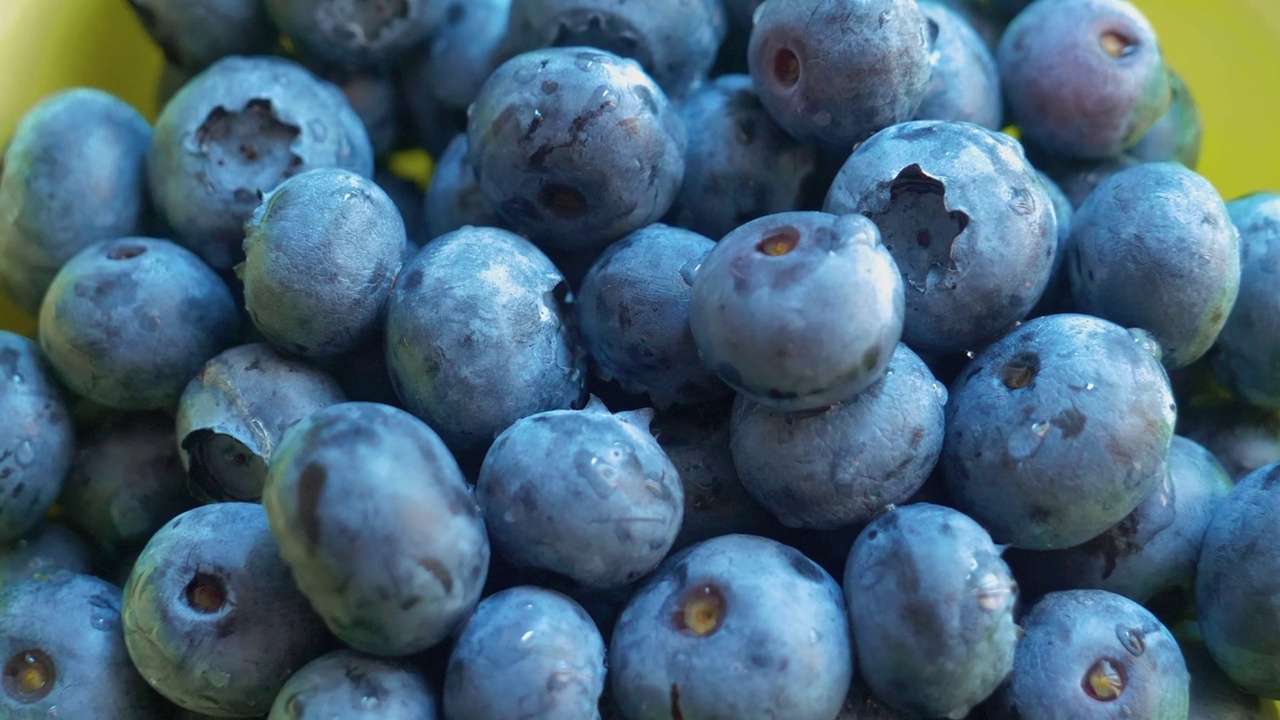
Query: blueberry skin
73	174
67	626
239	129
740	164
841	466
931	610
1075	634
431	122
346	684
675	41
526	652
1248	348
374	518
453	198
964	84
1057	293
194	34
477	338
1236	582
375	98
1213	696
861	704
234	413
52	546
966	219
309	288
575	147
1242	437
211	616
1175	137
1079	178
39	437
1083	78
696	440
584	493
127	322
1154	247
798	310
407	196
1057	431
355	34
1153	549
126	482
839	72
464	50
738	626
633	316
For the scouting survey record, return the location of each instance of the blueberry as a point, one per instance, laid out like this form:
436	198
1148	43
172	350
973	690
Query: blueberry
862	704
1093	654
126	482
407	196
696	440
735	627
73	174
576	147
1083	78
633	316
584	493
453	198
931	610
964	84
526	652
1237	580
740	164
356	34
375	99
236	130
1057	431
212	619
1079	178
346	684
39	437
64	655
1213	695
842	465
234	413
1249	345
128	322
1057	293
476	336
374	518
309	288
430	121
1154	247
837	72
675	41
1176	135
1153	549
967	220
50	547
195	33
466	48
798	310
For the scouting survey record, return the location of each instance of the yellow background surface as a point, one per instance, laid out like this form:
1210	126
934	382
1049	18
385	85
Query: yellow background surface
1228	51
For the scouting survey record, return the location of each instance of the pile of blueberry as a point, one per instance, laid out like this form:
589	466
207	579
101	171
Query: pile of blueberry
736	365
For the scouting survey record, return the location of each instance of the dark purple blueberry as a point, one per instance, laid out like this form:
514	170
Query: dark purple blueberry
234	413
964	84
838	72
352	686
1154	247
1175	137
128	322
73	174
735	627
1057	431
64	656
1248	348
374	518
584	493
842	465
575	147
931	608
356	34
1083	78
195	33
798	310
212	618
967	220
